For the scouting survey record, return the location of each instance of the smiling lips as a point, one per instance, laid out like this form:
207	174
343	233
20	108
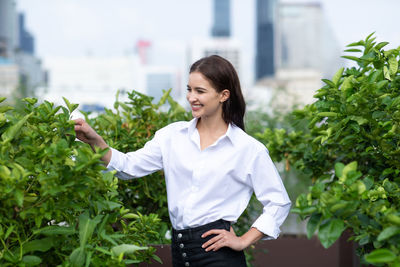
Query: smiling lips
196	107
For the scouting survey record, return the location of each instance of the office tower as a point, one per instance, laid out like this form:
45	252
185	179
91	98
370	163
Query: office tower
222	21
265	65
26	40
8	29
227	48
304	39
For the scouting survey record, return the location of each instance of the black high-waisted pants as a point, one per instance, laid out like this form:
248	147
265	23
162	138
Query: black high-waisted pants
187	251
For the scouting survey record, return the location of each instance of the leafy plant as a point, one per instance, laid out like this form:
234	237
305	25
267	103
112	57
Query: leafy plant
58	205
351	150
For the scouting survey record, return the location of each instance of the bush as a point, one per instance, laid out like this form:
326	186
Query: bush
58	205
351	150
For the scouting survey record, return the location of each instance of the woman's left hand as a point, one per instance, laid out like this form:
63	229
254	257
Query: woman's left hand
223	238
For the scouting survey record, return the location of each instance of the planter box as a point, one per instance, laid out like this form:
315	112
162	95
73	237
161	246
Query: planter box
288	251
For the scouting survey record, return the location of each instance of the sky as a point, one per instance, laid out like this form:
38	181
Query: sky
111	28
105	27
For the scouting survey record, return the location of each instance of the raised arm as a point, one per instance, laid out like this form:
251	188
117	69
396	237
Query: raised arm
86	134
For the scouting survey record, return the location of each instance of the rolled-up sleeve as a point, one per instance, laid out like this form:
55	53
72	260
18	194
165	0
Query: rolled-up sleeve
270	191
139	163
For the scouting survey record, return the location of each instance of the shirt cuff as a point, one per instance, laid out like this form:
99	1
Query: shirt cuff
266	224
114	161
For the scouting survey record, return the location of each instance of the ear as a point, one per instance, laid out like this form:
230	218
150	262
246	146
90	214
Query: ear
224	95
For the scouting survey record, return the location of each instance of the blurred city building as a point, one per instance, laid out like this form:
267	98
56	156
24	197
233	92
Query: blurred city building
19	67
159	78
305	40
225	47
222	19
265	50
304	49
92	82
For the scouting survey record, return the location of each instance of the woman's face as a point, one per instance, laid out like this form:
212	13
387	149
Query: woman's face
203	98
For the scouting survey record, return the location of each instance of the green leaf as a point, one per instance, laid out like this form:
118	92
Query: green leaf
381	255
388	232
353	50
313	224
19	197
352	58
42	245
327	114
359	120
339	169
126	249
337	76
386	73
55	230
5	109
2	98
359	43
31	260
330	231
9	231
369	36
71	107
329	82
86	227
352	166
77	257
393	65
11	132
157	259
381	44
30	100
381	84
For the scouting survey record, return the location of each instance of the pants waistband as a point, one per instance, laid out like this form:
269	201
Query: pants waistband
195	232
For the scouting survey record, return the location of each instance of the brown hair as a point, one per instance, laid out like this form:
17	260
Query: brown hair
222	75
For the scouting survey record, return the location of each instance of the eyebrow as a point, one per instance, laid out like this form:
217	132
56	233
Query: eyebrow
197	88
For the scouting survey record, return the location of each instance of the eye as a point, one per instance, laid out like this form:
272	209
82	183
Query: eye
189	89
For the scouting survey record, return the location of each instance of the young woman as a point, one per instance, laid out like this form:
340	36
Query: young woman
211	168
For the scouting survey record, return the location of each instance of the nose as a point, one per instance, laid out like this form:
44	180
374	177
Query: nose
190	97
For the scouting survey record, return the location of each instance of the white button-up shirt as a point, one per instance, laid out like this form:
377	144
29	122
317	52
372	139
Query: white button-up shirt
211	184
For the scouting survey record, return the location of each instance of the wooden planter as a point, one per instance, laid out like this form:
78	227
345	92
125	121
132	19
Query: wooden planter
288	251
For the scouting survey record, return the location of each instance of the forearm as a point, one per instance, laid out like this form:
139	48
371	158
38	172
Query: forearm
100	143
251	237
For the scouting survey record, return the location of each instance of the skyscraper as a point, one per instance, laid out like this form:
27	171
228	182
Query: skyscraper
222	20
26	40
265	65
305	40
8	29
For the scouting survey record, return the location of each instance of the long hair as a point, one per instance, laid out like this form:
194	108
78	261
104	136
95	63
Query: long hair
222	75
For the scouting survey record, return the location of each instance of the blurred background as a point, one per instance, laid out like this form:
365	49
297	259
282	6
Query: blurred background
87	50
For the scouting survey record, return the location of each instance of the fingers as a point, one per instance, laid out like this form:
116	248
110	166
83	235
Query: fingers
223	238
213	232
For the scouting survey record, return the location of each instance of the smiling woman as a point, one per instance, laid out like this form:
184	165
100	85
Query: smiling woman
211	169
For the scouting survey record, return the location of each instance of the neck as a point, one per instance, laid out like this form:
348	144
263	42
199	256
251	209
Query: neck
212	125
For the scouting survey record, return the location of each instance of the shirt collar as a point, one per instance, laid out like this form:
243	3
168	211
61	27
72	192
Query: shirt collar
231	133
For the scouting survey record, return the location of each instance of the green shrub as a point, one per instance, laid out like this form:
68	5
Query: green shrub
58	205
351	150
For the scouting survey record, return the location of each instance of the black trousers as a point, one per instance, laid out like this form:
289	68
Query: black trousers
187	250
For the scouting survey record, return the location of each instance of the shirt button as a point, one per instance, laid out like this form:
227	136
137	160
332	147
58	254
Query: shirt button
187	264
181	245
179	235
184	254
